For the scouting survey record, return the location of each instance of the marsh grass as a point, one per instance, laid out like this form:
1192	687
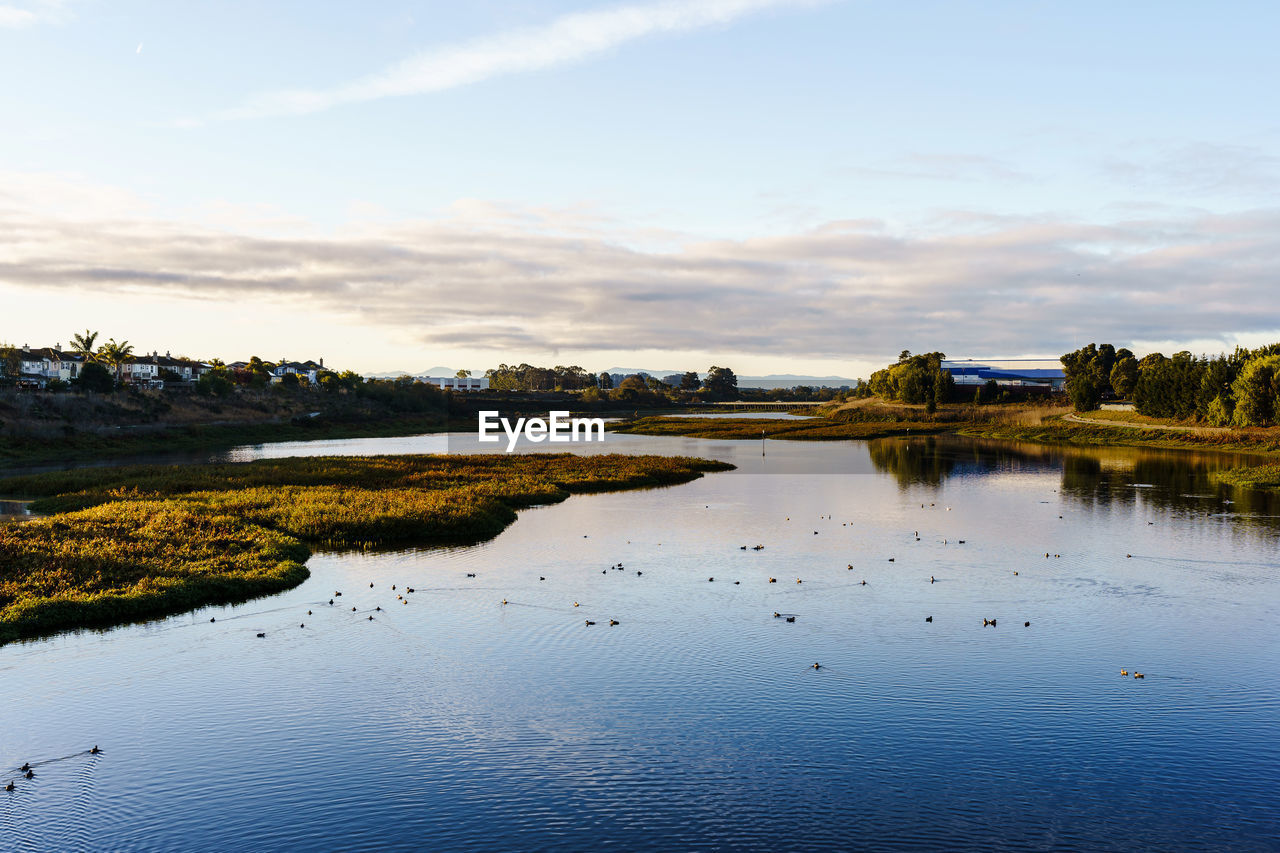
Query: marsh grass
122	544
1251	476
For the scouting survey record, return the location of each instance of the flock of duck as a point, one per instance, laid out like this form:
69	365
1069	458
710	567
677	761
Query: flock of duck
619	567
27	770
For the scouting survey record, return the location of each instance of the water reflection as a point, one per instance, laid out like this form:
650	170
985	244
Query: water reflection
1097	477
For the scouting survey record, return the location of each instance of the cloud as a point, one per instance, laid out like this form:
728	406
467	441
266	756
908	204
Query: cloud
522	283
32	13
1202	169
567	39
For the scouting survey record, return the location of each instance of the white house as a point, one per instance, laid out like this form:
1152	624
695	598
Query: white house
459	383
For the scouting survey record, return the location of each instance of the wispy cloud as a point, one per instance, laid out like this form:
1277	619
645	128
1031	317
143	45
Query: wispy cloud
32	13
567	39
521	282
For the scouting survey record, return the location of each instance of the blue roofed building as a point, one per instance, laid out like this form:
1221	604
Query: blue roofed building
1042	375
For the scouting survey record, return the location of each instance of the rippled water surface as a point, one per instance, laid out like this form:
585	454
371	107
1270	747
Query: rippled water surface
454	721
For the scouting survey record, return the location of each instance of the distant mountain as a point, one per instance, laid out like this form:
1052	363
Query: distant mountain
788	380
627	371
430	371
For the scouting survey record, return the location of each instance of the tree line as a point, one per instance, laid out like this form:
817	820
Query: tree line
1241	388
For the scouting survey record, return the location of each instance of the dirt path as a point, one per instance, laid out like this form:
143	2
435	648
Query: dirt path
1076	419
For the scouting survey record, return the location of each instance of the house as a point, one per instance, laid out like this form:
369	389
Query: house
43	365
1029	374
459	383
308	370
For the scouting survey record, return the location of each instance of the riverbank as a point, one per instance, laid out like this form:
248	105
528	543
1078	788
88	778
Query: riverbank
807	429
73	446
124	544
1003	423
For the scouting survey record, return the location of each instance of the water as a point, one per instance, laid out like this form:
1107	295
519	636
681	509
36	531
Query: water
455	722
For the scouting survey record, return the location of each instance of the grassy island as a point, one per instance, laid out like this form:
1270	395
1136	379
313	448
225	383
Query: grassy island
123	544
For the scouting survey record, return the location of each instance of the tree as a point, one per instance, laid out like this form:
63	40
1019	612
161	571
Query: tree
10	365
1083	391
689	381
82	345
289	380
463	374
94	378
721	383
606	381
115	355
213	384
1256	391
1124	376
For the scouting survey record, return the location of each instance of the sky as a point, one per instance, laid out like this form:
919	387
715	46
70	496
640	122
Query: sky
780	186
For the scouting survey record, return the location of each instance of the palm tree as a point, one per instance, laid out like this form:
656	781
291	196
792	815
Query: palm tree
82	345
115	354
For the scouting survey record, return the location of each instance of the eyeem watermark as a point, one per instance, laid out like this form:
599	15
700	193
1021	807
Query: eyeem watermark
558	427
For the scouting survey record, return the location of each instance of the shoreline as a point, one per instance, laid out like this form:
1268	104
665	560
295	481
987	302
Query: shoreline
128	544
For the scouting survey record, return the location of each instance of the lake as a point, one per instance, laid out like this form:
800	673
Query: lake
698	722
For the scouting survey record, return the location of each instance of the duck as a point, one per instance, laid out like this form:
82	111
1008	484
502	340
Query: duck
302	624
371	585
261	634
849	567
331	602
337	594
817	666
353	610
1138	675
504	601
212	619
932	579
777	615
986	622
25	767
799	581
575	604
614	622
1124	672
379	607
31	774
95	750
773	580
710	580
410	589
864	582
541	578
589	622
928	618
791	618
1015	574
891	559
371	618
393	587
1026	624
742	547
638	573
9	787
471	574
308	612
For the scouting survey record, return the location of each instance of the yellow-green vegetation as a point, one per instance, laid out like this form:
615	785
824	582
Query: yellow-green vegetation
1056	431
122	544
1251	476
808	429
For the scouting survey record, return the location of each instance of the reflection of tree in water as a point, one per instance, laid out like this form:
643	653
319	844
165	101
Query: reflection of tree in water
1098	478
913	462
